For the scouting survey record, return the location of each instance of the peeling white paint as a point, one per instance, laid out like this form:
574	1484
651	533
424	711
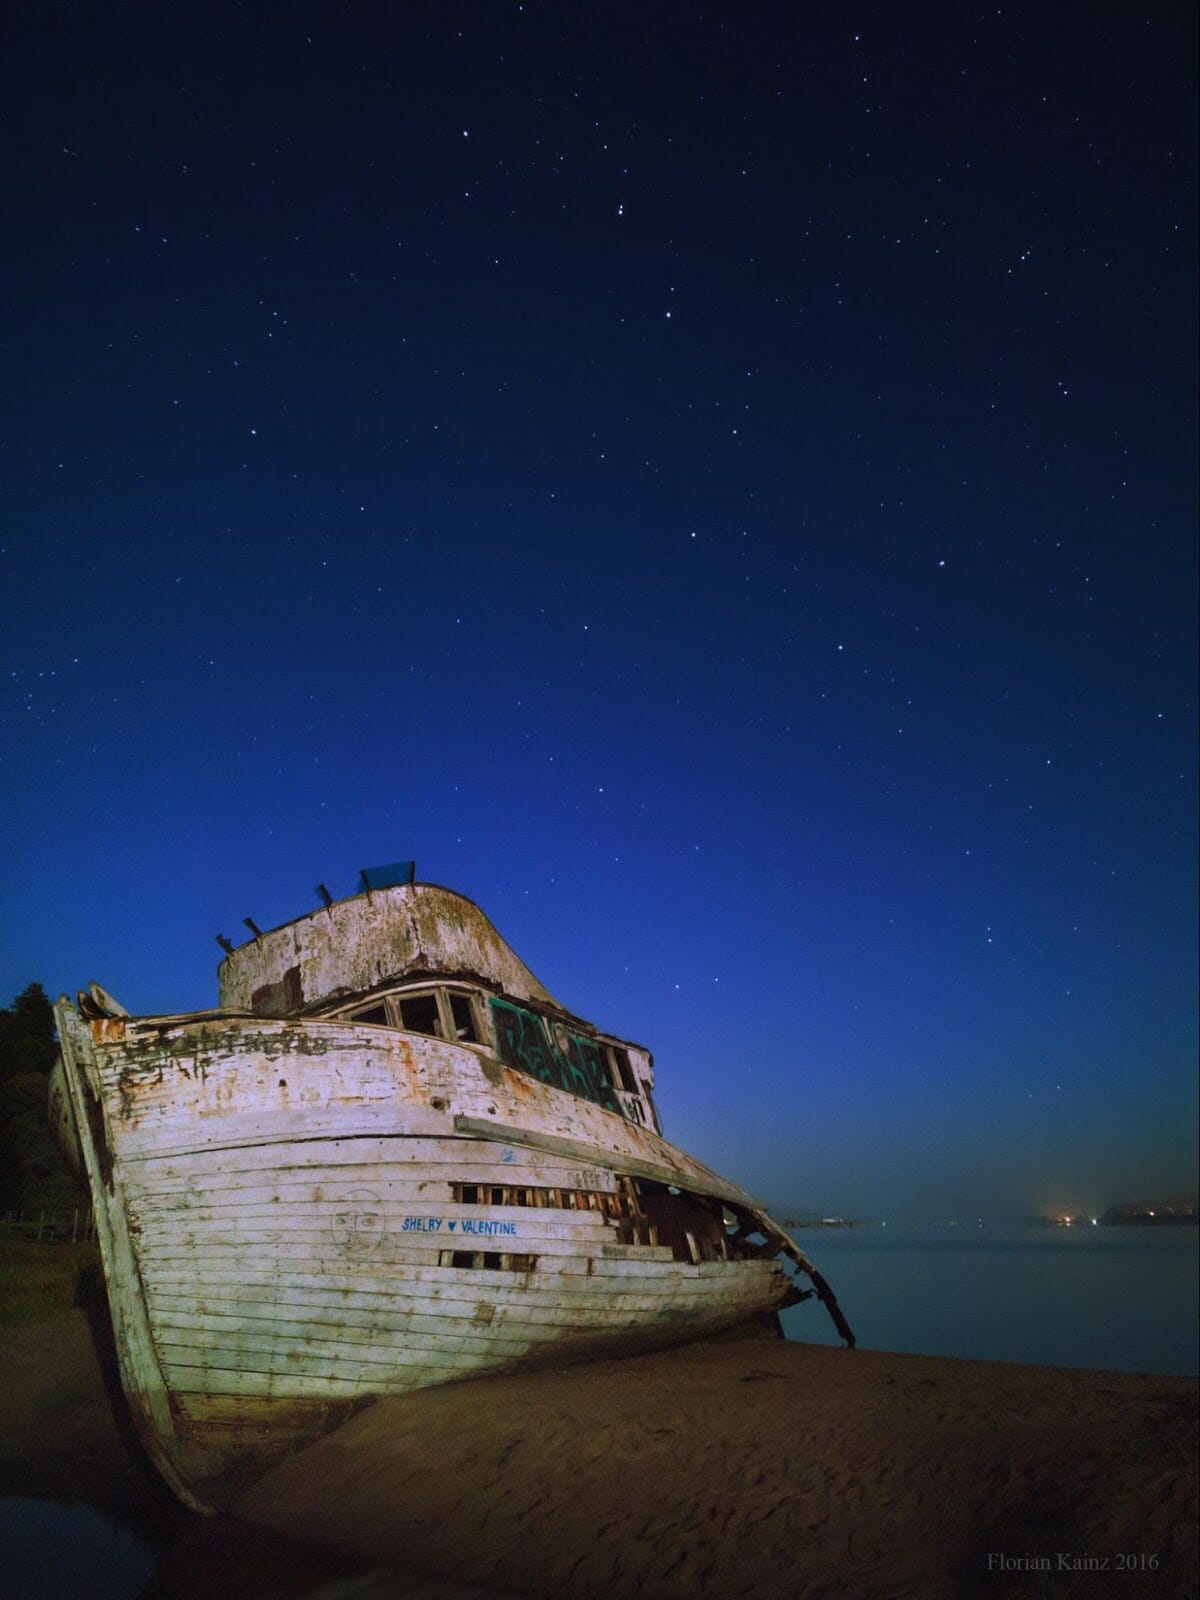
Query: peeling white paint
353	945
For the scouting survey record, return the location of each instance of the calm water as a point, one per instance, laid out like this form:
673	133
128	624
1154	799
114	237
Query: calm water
1122	1299
52	1550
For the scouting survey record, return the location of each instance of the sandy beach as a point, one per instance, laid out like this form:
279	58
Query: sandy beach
768	1470
778	1471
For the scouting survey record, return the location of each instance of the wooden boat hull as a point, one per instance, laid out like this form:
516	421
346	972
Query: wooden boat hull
299	1216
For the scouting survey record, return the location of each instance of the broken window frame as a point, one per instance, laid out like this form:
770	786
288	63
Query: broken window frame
397	1002
447	1023
375	1015
620	1069
632	1088
447	995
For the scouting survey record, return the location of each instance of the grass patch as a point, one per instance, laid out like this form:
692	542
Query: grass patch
38	1282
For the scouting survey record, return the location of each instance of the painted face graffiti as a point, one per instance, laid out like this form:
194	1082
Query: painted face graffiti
358	1222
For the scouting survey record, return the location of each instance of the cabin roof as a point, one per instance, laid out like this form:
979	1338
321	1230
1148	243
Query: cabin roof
357	944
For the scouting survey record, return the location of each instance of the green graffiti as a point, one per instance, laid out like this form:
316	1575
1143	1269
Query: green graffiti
553	1054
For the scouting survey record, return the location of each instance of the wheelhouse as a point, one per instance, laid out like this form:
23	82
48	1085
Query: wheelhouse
548	1044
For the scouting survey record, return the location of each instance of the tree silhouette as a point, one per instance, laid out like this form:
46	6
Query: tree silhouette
27	1038
32	1174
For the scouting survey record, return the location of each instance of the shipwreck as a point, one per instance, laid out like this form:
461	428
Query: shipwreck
390	1158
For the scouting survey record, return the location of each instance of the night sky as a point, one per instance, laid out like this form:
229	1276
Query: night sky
715	485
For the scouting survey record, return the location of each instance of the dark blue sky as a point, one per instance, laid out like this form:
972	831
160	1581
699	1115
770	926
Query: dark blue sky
715	485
